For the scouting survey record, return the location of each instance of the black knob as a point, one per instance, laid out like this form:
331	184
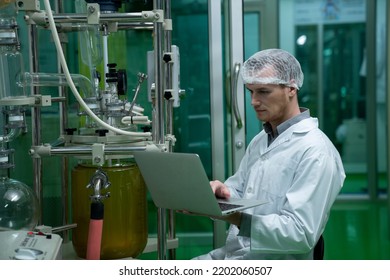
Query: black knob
70	131
101	132
168	95
122	82
146	128
111	65
167	58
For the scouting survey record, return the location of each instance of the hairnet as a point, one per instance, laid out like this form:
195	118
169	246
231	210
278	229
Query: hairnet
273	66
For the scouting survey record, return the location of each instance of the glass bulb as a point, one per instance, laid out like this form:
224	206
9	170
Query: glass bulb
19	207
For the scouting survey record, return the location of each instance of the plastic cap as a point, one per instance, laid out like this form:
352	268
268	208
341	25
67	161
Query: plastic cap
273	66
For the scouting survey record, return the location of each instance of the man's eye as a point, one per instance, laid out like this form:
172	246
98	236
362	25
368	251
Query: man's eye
263	92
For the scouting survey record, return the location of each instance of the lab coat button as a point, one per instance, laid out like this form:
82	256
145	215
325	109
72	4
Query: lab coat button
249	190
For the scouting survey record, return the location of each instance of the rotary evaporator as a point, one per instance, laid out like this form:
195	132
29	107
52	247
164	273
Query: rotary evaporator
107	216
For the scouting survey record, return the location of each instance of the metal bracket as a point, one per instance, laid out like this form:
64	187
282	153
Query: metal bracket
29	5
44	100
35	100
93	13
154	16
98	154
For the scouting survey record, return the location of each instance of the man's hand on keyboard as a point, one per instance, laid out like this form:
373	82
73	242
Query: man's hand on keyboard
220	189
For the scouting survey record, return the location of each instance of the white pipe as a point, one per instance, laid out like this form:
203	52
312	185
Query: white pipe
73	87
136	120
137	109
105	59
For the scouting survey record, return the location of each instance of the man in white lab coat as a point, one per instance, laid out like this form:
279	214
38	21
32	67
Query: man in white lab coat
291	163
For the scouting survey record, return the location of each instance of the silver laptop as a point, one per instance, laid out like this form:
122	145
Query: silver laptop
178	181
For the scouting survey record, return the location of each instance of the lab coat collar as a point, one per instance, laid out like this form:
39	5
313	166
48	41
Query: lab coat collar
304	126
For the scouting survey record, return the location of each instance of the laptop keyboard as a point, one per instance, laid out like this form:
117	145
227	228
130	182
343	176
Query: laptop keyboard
227	206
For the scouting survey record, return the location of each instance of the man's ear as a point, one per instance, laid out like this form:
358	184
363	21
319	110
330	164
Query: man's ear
292	91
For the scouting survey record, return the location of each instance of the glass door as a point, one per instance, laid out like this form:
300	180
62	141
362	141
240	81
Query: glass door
260	32
342	107
341	46
227	93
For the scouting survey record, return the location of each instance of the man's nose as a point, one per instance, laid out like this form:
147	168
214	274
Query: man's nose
255	101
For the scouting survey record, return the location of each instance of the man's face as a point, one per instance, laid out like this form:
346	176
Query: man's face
272	103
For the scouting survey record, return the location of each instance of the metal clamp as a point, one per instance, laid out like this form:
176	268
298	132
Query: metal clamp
98	182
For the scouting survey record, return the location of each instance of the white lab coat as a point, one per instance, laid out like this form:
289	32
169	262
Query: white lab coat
300	174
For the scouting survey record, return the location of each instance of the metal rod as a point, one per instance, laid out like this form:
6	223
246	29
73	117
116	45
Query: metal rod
35	120
108	17
388	110
61	99
159	78
83	18
169	116
372	166
159	127
216	98
64	27
63	228
133	25
63	109
84	150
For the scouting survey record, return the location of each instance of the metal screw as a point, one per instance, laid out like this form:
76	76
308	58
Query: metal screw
239	144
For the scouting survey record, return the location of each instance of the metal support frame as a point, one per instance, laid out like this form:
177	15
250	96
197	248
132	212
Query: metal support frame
35	17
236	43
235	11
35	118
159	128
63	108
169	113
388	106
217	108
372	165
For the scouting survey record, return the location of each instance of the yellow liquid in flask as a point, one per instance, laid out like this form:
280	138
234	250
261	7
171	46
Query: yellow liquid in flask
125	226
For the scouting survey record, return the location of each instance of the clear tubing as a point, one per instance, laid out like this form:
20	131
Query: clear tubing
91	50
72	85
12	135
15	123
91	46
50	79
10	71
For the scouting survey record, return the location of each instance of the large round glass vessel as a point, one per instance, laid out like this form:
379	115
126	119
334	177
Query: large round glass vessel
18	205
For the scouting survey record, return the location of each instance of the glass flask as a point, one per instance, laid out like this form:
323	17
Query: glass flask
11	61
125	227
19	207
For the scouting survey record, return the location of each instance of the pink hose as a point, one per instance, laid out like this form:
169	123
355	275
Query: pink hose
95	231
94	239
